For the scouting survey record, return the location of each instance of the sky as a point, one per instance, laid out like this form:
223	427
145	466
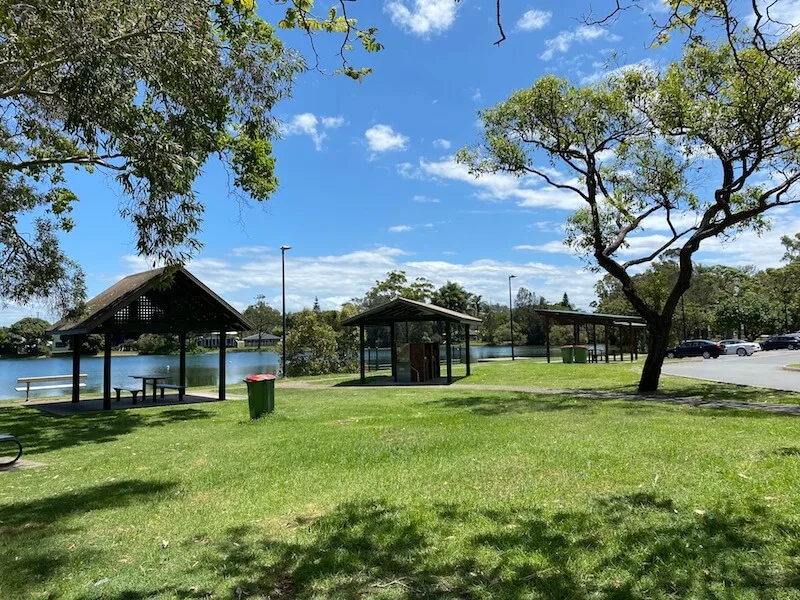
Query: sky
368	182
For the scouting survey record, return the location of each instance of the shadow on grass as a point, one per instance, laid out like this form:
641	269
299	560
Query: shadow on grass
28	530
384	380
513	402
722	391
626	547
40	432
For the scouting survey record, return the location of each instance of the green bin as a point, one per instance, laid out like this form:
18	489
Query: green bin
580	354
567	354
260	394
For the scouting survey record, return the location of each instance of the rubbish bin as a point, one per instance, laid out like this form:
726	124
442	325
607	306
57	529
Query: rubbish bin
580	354
567	355
260	394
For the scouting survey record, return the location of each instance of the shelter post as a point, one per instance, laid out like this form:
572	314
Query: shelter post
605	341
466	344
223	342
575	334
630	338
76	368
594	340
182	360
547	336
393	351
107	372
361	352
449	352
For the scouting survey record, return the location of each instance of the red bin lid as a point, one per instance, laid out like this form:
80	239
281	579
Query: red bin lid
260	377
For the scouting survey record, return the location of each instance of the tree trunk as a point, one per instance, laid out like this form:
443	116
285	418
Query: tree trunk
657	343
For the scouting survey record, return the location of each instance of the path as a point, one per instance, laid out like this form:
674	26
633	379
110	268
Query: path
783	409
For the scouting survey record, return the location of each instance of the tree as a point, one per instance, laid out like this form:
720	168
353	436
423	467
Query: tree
263	317
29	332
728	109
452	296
395	285
310	345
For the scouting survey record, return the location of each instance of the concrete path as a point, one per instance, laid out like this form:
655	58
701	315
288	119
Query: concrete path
762	369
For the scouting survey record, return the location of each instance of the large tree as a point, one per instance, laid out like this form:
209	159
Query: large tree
704	149
263	317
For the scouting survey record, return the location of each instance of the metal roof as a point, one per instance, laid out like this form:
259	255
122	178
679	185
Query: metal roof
264	337
172	302
573	317
403	309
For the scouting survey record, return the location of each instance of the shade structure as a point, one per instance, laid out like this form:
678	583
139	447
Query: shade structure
577	319
401	310
158	301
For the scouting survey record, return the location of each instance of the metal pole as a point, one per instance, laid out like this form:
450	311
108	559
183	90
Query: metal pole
785	312
683	316
283	295
511	315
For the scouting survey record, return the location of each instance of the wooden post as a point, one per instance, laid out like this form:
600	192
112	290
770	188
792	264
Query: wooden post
182	364
76	368
107	373
449	350
361	353
594	340
547	336
575	334
223	337
393	351
606	341
630	338
466	343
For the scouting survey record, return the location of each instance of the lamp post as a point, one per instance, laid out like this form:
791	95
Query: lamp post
283	295
785	311
511	315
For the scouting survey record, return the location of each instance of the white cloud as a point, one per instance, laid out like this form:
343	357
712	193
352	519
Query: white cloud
249	251
425	199
423	17
312	126
528	192
476	95
442	144
400	228
534	19
602	73
382	138
584	33
552	247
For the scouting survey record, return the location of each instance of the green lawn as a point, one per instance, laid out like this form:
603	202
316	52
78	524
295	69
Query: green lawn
404	493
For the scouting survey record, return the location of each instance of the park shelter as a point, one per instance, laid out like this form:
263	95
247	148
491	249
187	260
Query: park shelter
157	302
403	310
629	323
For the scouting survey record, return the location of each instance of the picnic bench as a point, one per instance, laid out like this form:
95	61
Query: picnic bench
28	388
8	438
171	386
133	390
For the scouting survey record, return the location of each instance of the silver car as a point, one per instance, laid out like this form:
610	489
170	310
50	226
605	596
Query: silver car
740	347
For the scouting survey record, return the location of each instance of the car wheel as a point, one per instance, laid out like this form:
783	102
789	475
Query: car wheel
706	354
741	352
670	355
790	346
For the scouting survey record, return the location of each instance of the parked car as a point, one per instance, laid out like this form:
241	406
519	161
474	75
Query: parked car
779	342
704	348
740	347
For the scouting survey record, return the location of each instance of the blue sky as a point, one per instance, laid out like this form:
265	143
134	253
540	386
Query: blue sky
368	182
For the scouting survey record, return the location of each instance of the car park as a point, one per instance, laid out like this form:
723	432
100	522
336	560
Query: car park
740	347
704	348
781	342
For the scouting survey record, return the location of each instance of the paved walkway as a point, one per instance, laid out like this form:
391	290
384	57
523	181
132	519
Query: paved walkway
782	409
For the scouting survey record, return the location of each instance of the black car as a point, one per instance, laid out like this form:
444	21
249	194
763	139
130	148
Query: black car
704	348
779	342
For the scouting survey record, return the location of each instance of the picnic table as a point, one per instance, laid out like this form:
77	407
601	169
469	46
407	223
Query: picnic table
145	379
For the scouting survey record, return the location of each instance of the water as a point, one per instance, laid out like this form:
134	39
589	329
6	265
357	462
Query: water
201	370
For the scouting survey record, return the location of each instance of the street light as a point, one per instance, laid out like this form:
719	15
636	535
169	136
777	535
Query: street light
283	294
785	311
511	315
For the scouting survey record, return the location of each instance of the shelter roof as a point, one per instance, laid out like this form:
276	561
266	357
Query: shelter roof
403	309
154	301
573	317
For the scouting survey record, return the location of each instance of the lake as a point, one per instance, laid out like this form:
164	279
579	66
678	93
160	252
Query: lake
201	369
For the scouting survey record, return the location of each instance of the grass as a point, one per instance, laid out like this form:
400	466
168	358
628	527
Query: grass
403	493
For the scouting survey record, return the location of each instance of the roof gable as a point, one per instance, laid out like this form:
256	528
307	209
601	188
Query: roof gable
404	309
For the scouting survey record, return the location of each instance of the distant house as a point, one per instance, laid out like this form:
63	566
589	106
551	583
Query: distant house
267	339
211	340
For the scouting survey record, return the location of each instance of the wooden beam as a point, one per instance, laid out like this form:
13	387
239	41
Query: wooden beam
449	351
547	336
361	353
466	344
182	364
223	337
76	367
594	340
393	350
107	372
605	341
630	339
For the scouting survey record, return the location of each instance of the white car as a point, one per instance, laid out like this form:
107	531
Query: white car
740	347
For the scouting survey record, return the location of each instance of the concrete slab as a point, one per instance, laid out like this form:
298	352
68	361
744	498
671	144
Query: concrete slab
67	408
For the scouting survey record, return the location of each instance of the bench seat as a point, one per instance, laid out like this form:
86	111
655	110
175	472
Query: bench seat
133	390
27	388
173	386
48	387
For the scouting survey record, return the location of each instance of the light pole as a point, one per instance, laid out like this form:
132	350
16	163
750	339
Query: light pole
511	315
283	295
785	311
